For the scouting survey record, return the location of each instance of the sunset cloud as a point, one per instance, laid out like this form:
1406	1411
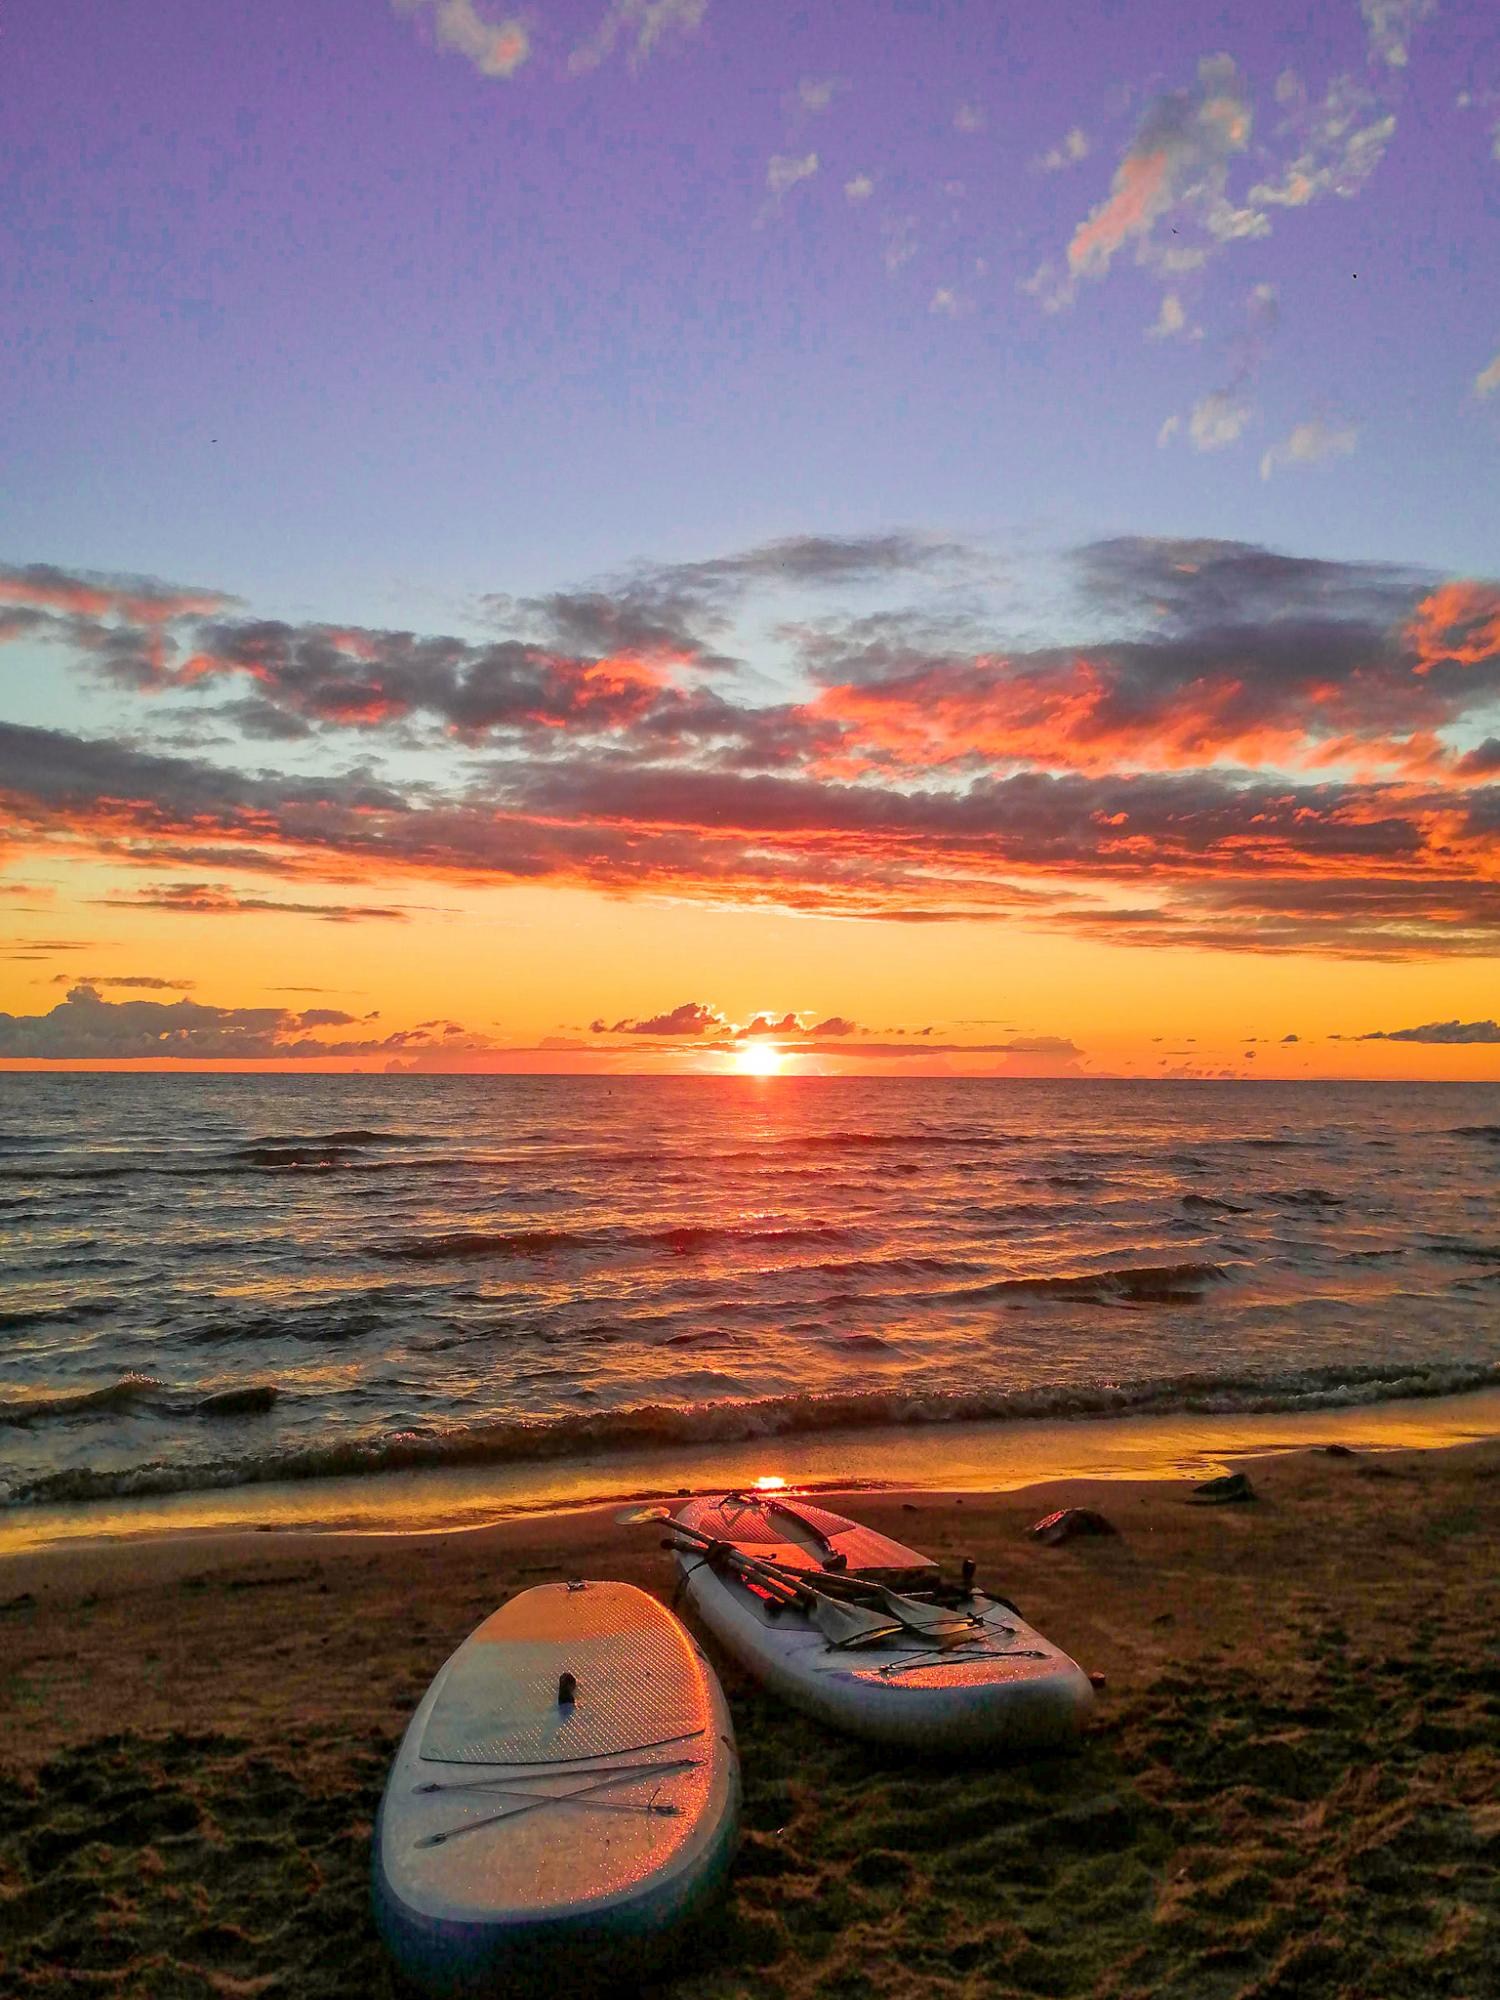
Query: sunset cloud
87	1027
1448	1033
691	1018
1227	717
143	982
708	1030
210	899
96	594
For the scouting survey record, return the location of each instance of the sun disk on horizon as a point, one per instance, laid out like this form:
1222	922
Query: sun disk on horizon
759	1059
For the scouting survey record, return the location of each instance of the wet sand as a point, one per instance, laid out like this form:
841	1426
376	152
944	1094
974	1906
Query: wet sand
1292	1788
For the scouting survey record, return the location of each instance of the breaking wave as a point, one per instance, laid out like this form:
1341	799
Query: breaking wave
694	1424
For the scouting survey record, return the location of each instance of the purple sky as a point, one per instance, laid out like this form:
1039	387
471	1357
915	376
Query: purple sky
303	305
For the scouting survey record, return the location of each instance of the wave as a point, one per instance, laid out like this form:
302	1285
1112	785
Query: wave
1491	1132
353	1135
1212	1204
682	1239
27	1317
130	1392
1308	1197
310	1154
1464	1247
693	1424
461	1243
1133	1284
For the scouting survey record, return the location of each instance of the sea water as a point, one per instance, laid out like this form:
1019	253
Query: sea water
217	1280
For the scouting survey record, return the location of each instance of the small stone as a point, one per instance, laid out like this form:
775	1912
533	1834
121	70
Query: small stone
1338	1450
1068	1522
253	1401
1232	1486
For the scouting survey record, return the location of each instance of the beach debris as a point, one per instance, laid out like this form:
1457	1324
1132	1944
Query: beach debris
1098	1680
253	1401
25	1602
1232	1486
1338	1450
1068	1522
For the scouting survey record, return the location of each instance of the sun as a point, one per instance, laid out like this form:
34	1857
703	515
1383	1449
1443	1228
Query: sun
759	1059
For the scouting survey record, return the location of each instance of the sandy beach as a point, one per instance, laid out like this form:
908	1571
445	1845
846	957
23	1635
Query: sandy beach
1293	1785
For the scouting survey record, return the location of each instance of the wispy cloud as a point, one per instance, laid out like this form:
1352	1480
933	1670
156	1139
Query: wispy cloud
970	117
1311	443
1170	200
1221	417
898	241
1069	150
1487	381
1340	143
640	27
492	48
785	170
816	93
1218	419
1390	23
1170	320
859	188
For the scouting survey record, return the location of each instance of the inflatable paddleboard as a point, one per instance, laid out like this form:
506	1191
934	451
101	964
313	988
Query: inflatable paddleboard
968	1674
565	1796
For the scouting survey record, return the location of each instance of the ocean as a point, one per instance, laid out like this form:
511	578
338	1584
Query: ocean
214	1281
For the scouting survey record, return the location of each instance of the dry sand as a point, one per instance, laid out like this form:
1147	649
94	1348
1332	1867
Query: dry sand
1293	1787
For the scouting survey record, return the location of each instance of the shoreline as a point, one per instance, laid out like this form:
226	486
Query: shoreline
1289	1787
992	1456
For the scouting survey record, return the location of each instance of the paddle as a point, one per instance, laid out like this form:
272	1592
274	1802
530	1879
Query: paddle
845	1597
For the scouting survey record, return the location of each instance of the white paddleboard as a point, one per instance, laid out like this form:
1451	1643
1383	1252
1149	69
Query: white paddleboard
1000	1685
539	1828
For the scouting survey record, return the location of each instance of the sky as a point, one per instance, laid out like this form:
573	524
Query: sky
655	535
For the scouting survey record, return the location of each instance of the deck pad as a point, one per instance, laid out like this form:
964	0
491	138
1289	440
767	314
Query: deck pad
788	1529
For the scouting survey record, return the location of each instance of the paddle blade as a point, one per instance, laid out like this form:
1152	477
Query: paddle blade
934	1621
850	1624
632	1517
